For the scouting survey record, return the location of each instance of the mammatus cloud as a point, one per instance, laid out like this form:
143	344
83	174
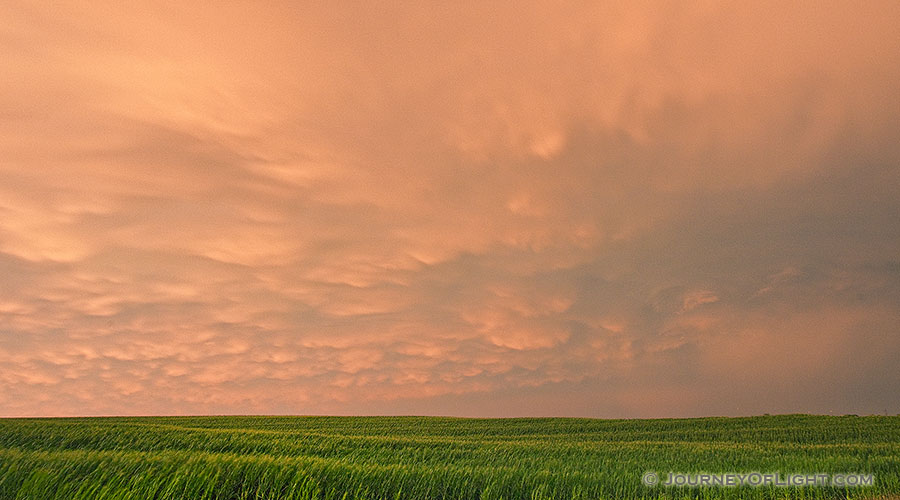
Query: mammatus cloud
601	209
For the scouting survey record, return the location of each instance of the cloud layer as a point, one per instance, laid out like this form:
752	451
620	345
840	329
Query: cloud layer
601	209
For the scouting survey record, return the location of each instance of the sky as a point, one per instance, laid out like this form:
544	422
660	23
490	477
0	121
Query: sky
529	208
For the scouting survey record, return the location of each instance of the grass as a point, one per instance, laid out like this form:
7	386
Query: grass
344	458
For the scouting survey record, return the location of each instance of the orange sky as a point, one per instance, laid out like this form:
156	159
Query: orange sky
611	209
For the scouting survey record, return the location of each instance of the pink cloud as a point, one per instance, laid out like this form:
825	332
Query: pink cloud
446	209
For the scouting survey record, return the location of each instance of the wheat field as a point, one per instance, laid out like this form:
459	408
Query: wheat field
434	458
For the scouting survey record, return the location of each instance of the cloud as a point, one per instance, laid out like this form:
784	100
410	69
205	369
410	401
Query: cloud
472	209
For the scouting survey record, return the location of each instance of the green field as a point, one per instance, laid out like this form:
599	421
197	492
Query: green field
434	458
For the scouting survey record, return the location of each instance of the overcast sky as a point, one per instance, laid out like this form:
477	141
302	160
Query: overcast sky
608	209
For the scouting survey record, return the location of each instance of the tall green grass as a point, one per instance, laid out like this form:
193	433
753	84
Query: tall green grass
433	458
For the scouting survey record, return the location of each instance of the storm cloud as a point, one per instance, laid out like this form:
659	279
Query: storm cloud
525	208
